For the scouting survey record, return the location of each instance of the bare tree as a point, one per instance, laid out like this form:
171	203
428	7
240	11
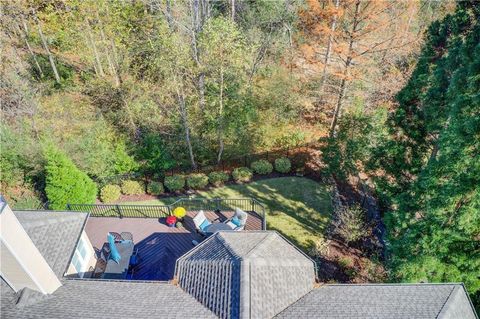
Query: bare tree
346	69
221	145
24	35
328	50
98	61
45	46
199	15
183	115
106	49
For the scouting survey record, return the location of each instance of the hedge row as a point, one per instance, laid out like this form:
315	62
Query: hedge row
111	193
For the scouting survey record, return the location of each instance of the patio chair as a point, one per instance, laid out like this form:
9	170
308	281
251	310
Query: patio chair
105	252
201	222
99	268
134	259
126	236
238	221
117	236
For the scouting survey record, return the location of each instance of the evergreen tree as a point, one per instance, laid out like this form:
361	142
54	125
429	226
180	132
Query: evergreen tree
431	160
65	183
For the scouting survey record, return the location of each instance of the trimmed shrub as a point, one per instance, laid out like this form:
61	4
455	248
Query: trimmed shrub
109	193
174	183
197	181
262	167
65	183
283	165
242	174
218	178
155	188
130	187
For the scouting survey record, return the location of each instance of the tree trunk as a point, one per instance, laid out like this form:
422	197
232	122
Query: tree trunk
98	61
338	106
184	116
348	62
29	48
186	126
111	65
115	62
183	113
328	52
220	120
201	91
197	9
232	5
50	56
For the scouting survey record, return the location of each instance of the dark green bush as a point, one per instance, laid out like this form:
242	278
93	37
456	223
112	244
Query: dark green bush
65	183
218	178
155	188
154	154
130	187
283	165
174	183
262	167
197	181
110	193
242	174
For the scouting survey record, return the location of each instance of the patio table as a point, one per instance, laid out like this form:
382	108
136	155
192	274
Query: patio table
213	228
119	271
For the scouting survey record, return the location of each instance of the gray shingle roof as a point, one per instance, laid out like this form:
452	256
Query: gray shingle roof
224	273
111	299
413	301
55	234
246	274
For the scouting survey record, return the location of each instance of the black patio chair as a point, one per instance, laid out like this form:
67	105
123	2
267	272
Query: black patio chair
105	252
100	267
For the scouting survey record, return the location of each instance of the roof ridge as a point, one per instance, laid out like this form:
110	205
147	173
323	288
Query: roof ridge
267	236
226	245
446	301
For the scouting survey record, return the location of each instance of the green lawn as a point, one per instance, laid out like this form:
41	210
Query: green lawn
297	207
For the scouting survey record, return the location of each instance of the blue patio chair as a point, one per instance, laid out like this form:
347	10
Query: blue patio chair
201	222
238	221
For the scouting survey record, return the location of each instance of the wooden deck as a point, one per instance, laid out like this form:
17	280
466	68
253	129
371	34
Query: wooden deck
159	246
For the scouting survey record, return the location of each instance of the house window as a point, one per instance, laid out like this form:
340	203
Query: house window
80	257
